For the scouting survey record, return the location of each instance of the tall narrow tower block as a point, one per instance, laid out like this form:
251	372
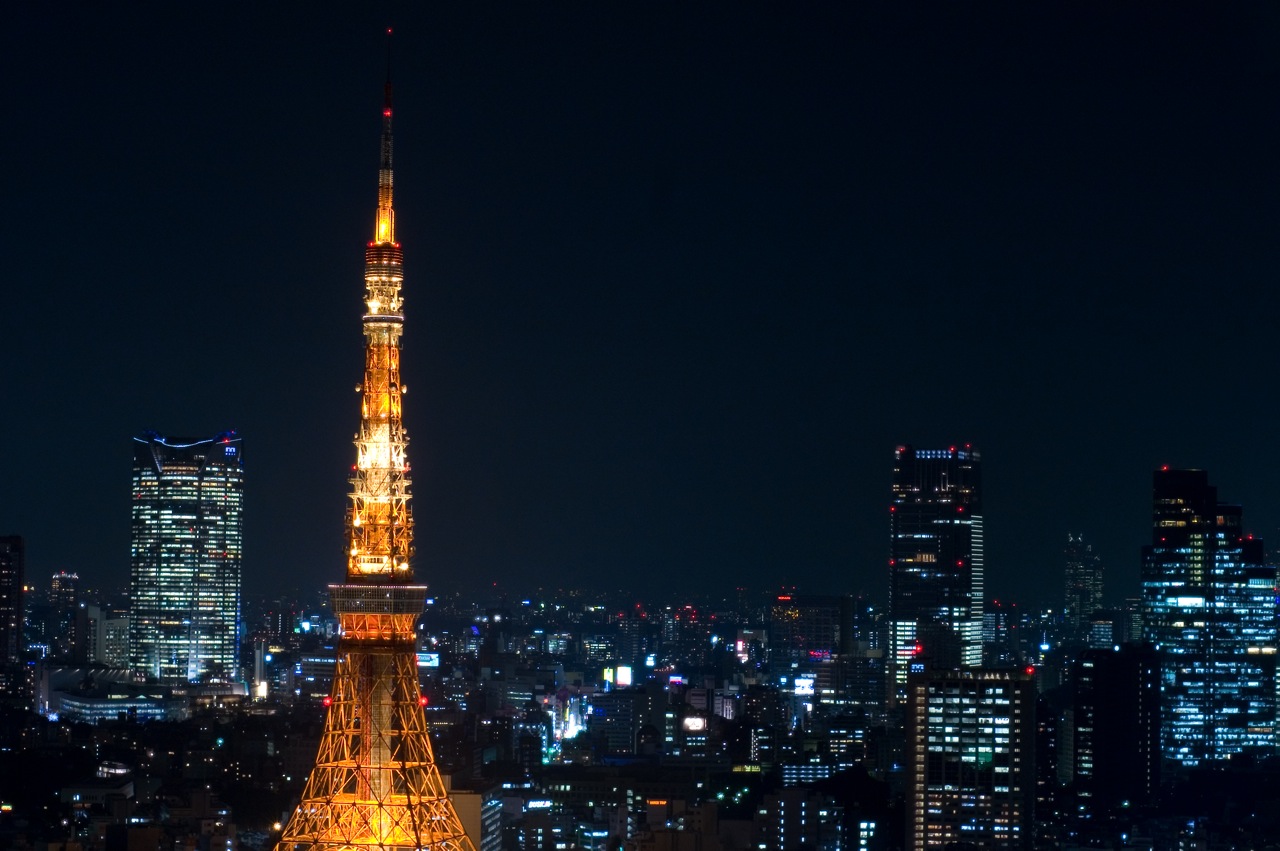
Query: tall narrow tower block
375	784
935	559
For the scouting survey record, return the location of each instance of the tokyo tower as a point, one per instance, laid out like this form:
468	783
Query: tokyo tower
375	783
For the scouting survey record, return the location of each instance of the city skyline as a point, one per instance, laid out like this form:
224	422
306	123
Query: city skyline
685	278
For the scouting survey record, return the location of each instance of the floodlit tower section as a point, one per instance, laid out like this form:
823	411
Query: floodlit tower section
375	784
379	525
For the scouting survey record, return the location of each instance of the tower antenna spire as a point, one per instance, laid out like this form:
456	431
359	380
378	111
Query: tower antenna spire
384	231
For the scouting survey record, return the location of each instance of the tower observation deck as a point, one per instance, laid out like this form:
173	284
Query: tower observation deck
375	783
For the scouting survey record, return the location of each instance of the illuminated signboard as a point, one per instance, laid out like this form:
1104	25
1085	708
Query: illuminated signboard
428	660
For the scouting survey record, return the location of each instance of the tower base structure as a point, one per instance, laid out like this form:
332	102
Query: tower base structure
375	783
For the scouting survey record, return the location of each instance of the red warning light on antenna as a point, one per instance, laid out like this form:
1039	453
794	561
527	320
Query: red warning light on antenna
422	700
327	701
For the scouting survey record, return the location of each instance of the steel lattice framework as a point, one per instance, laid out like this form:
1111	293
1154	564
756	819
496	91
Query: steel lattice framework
375	783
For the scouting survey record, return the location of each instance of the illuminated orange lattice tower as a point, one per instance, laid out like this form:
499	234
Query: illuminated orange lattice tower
375	783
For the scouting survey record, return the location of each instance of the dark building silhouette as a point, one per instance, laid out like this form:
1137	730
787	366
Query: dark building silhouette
64	601
1083	589
809	628
12	614
1111	729
1209	609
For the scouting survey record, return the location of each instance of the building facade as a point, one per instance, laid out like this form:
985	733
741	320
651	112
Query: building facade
1109	744
971	757
1083	591
1209	609
12	614
184	588
935	558
64	601
808	628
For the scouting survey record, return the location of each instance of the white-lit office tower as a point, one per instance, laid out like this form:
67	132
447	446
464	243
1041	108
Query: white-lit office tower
970	755
184	586
935	558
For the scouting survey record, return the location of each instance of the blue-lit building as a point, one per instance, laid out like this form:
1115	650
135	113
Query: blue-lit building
935	558
1209	608
184	588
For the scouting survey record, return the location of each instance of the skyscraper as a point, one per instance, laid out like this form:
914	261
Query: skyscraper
184	587
375	783
971	758
1083	594
1111	734
1209	608
936	558
64	600
12	613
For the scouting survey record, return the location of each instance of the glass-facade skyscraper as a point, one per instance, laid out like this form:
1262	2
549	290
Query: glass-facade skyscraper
184	588
1083	589
1209	608
935	558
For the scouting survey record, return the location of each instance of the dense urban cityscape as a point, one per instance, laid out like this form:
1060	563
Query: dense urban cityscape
574	719
566	719
206	706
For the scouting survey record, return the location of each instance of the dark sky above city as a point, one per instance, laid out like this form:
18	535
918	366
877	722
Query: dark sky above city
679	276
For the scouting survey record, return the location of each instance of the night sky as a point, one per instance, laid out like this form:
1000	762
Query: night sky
678	276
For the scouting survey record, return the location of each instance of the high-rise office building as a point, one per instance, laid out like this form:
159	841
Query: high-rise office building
1083	594
64	600
971	758
184	588
1209	608
12	614
1110	738
935	558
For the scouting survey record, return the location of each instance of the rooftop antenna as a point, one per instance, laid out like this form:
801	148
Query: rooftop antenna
388	84
384	231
